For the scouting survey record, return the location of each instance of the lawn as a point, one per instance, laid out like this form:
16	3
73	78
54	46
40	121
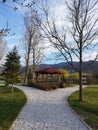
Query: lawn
88	109
10	106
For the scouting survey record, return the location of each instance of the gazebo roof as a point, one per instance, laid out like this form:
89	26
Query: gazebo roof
49	70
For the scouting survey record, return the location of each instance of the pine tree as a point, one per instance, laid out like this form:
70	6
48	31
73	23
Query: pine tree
11	67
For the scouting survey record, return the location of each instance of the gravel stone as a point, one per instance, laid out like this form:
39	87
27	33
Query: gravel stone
47	110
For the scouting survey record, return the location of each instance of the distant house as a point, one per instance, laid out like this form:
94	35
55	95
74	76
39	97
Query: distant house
74	77
84	78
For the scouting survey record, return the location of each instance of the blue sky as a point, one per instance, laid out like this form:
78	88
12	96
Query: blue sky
15	22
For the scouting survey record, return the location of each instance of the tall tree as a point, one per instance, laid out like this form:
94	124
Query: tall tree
31	41
83	31
11	67
3	46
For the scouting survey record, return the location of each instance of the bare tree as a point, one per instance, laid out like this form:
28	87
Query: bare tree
27	42
83	32
3	32
17	4
3	46
32	40
3	43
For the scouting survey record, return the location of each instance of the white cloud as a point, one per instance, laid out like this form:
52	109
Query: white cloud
89	56
58	13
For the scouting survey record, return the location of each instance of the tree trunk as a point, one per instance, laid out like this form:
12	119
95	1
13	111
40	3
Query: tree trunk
27	64
33	73
26	72
80	85
12	88
80	71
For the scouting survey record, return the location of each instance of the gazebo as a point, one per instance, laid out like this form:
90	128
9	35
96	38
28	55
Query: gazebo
47	74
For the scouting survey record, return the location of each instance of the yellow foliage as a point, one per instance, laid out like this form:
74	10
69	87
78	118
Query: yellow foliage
75	76
65	73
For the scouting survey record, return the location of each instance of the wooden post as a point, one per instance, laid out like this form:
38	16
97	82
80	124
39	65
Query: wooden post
46	78
51	78
58	77
42	77
36	78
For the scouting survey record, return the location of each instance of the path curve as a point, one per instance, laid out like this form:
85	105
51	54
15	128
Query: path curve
47	110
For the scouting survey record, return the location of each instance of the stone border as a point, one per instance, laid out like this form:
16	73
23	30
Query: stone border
88	127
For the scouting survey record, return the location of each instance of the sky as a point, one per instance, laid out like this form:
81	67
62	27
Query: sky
15	23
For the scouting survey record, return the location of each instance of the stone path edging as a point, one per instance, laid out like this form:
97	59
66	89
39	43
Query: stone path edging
89	128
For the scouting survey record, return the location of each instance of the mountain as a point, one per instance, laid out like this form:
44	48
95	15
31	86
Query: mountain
88	67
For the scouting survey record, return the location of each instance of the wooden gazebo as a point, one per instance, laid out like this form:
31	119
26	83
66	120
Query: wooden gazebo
48	72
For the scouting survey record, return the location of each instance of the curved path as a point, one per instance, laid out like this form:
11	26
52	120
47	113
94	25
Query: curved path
47	110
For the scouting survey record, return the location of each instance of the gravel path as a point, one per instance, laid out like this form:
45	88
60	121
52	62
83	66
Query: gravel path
47	110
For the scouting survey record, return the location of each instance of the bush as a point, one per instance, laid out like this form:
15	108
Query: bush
90	79
44	85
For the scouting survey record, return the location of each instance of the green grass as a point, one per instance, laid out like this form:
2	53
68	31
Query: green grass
10	106
88	108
